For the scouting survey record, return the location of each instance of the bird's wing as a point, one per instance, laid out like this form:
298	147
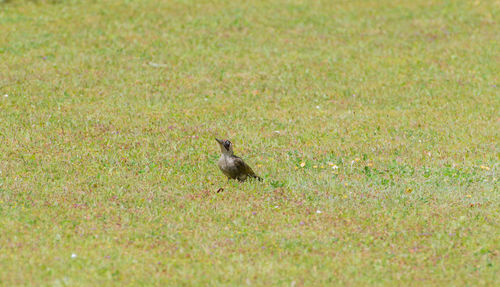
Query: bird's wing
243	167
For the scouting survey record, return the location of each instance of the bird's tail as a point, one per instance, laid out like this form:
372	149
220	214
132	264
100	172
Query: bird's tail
257	177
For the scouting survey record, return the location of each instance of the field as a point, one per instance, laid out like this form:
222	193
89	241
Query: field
375	125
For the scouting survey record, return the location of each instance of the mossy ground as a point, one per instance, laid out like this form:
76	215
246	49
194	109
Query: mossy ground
374	123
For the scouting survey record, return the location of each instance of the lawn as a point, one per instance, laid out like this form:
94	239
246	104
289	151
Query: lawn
375	125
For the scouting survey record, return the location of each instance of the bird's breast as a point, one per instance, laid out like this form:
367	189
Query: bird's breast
227	166
224	162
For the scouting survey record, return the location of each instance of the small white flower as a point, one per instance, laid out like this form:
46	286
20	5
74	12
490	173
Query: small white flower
277	132
276	206
335	166
73	255
318	107
6	95
318	211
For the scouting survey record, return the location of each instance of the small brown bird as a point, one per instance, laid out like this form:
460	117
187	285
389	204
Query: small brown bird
232	166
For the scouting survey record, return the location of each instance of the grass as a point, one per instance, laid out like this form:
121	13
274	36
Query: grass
108	158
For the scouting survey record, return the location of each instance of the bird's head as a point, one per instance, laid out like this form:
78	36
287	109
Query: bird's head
226	147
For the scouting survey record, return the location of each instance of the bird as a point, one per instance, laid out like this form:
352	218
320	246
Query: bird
233	166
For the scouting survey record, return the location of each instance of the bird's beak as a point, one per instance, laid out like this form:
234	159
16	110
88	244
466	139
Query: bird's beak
218	140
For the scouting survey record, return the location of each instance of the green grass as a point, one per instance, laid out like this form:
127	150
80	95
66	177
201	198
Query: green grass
108	153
